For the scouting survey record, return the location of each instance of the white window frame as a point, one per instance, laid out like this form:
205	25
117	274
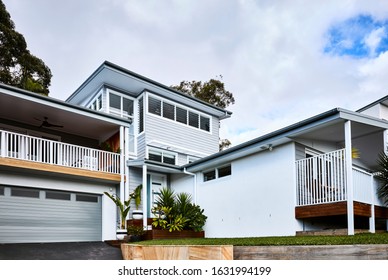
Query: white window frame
216	169
120	112
163	152
188	109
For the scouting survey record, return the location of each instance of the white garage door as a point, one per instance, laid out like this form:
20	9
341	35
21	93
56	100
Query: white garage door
35	215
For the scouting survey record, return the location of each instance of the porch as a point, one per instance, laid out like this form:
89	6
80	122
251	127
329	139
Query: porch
324	189
34	153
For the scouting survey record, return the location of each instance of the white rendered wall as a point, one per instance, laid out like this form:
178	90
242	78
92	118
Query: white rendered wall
258	199
57	183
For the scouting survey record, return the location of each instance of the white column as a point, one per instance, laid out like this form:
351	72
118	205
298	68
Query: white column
122	172
349	177
126	158
372	225
3	146
145	198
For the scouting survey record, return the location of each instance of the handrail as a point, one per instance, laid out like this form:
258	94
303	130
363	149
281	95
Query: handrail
31	148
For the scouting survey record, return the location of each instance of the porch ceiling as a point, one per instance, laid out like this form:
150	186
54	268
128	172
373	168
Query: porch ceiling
74	121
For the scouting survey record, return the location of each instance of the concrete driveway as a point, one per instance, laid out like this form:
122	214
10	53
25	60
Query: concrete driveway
60	251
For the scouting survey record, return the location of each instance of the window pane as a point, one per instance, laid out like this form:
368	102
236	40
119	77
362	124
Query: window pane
127	107
155	156
168	111
99	103
32	193
205	123
57	195
224	171
1	190
154	106
114	101
169	159
210	175
193	119
181	115
86	198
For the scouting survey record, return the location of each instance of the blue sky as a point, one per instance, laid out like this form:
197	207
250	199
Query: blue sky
360	36
284	61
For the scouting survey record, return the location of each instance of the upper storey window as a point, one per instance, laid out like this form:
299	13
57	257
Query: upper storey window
120	105
171	111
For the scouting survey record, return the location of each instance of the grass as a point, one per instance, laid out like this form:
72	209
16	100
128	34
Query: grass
362	238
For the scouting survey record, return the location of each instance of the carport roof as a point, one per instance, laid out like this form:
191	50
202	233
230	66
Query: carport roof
27	107
315	127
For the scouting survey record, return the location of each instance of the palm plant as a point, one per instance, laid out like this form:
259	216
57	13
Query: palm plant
382	176
122	206
136	195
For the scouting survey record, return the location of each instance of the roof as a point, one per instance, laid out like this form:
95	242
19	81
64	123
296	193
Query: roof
383	100
285	135
118	78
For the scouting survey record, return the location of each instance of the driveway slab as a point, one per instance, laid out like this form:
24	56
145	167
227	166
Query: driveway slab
60	251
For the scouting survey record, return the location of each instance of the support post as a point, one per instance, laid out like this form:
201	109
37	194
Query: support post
126	158
122	174
145	198
372	224
349	177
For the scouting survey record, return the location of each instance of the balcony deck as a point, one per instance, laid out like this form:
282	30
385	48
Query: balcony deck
18	151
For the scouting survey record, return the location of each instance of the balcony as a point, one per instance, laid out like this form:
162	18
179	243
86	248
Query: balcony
30	152
322	188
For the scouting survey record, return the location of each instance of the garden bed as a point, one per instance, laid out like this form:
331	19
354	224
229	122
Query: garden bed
165	234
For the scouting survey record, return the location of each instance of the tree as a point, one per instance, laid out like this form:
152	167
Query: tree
18	67
382	176
212	92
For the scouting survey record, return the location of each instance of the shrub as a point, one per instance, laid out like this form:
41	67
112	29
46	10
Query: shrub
176	212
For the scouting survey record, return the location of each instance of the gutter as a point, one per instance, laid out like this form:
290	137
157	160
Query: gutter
195	184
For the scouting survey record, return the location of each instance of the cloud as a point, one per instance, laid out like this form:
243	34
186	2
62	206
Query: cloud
283	60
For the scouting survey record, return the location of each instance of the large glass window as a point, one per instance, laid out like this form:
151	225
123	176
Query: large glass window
170	111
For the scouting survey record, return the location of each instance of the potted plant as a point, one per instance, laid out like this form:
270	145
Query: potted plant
135	233
136	195
124	209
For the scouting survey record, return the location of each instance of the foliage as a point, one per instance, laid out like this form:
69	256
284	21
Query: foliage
212	92
176	212
135	230
136	195
122	206
362	238
382	176
18	67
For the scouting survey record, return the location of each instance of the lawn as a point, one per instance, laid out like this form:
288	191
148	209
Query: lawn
362	238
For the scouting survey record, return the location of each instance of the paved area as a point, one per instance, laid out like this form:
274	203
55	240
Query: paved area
60	251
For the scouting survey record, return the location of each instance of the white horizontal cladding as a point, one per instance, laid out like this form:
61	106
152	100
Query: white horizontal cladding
35	149
166	131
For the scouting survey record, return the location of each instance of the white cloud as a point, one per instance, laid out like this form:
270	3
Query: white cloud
270	53
373	39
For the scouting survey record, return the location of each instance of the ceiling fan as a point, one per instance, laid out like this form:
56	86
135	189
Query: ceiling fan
45	123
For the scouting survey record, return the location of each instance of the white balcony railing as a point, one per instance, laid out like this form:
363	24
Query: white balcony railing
24	147
322	179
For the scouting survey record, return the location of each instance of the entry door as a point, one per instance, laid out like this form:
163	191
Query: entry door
156	183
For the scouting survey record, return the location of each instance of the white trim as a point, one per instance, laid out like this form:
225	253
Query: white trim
163	152
177	149
188	109
122	96
349	176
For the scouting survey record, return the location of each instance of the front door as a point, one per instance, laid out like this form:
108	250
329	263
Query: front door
156	183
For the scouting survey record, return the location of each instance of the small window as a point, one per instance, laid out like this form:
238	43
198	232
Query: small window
181	115
127	107
154	106
210	175
24	192
1	190
168	111
86	198
155	156
169	159
57	195
193	119
224	171
205	123
114	101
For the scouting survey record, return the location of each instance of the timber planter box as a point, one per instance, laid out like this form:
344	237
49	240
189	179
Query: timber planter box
165	234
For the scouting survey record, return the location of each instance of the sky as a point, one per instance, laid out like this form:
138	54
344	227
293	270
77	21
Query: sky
284	61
